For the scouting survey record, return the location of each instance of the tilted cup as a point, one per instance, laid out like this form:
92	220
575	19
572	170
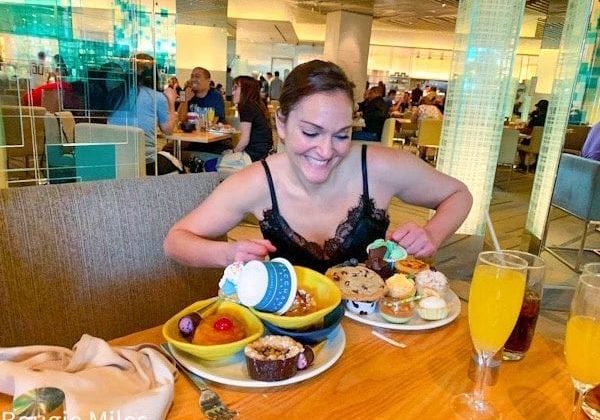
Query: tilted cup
268	286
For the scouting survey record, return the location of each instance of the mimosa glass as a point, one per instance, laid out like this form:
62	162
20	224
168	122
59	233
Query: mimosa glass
210	115
497	291
582	340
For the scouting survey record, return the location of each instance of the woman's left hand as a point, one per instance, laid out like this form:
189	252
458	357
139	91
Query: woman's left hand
415	239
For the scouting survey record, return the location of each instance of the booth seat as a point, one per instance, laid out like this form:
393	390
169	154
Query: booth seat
87	258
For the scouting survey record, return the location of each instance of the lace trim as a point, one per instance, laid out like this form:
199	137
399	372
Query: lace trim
331	246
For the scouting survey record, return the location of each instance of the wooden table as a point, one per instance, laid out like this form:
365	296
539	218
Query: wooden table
195	137
374	380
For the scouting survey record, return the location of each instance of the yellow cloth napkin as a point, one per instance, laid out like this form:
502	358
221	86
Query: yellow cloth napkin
97	379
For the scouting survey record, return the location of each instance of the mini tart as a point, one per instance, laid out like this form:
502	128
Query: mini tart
272	358
399	286
431	283
357	283
432	308
395	310
410	266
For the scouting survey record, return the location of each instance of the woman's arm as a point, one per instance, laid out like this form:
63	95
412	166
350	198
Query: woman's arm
245	129
169	125
191	241
417	183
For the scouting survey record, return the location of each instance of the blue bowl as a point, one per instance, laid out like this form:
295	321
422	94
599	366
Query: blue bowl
311	337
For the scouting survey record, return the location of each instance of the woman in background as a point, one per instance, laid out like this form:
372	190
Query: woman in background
256	137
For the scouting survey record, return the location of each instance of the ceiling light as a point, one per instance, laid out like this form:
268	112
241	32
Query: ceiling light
443	4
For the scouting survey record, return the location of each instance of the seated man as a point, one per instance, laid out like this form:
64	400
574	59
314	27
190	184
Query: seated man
374	111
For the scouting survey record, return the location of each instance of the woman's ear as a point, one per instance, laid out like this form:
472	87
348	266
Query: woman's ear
280	124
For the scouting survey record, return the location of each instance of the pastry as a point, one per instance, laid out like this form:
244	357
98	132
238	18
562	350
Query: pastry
357	283
410	266
432	308
273	358
219	328
376	262
400	287
431	283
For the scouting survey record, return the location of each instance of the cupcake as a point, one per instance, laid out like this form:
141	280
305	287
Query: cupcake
431	283
432	308
377	263
398	306
400	287
272	358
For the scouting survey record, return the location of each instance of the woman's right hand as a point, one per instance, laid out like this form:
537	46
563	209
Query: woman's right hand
252	249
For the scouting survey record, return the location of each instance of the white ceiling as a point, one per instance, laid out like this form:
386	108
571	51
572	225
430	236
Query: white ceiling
429	15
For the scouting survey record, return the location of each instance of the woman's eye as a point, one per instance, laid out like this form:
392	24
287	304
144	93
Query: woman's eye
310	134
342	137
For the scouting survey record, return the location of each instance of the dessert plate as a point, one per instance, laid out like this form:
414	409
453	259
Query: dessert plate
233	371
416	323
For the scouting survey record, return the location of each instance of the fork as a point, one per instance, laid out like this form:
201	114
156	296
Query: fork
210	403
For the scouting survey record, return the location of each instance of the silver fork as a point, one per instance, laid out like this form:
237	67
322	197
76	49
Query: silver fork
210	403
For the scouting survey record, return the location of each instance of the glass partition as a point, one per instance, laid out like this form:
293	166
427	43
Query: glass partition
68	62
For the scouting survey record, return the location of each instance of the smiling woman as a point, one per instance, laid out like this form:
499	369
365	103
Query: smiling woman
324	200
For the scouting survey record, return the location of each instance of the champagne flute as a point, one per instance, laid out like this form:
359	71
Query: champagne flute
582	341
497	290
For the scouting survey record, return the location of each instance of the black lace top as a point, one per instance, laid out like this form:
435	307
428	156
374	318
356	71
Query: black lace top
363	225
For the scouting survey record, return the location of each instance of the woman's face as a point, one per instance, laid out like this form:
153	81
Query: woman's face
236	91
317	134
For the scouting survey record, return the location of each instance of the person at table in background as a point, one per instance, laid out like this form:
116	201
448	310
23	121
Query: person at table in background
591	147
374	111
537	118
173	84
416	95
59	68
275	87
228	85
389	99
402	105
144	107
39	70
256	137
200	95
323	200
426	111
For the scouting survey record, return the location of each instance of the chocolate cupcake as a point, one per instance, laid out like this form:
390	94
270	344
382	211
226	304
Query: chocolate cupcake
272	358
376	262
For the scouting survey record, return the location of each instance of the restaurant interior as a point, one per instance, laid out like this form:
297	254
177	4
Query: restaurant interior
492	63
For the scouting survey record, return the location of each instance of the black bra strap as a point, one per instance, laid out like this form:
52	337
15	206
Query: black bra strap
271	186
364	173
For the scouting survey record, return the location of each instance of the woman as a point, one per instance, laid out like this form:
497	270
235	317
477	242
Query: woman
145	107
426	111
324	200
256	137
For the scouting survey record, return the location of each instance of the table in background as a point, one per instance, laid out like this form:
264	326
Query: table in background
373	379
195	137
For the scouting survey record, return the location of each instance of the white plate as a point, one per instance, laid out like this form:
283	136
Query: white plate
233	371
416	323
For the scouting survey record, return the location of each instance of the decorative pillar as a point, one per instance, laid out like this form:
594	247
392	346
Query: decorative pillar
347	39
569	57
487	33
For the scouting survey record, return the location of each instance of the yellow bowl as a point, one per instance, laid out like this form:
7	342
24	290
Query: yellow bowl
254	329
326	293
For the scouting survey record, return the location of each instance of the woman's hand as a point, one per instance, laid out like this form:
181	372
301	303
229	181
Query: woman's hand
252	249
189	93
415	239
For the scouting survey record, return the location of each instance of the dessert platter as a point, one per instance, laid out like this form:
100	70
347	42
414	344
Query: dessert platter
272	324
223	129
395	291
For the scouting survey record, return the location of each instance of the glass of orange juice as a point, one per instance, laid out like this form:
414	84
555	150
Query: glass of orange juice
582	340
495	298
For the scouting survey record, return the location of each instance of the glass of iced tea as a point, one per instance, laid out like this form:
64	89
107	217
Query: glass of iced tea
520	339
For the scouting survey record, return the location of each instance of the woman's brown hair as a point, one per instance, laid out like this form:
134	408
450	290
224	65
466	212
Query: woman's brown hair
250	93
312	77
